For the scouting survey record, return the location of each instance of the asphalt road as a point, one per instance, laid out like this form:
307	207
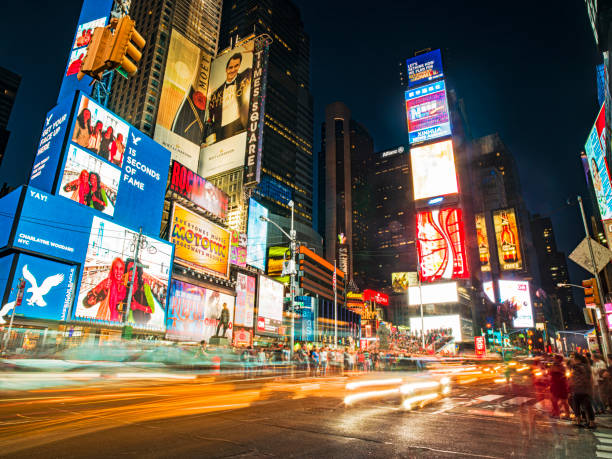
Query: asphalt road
269	417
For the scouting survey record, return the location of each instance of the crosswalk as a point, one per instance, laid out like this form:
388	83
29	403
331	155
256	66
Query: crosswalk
603	438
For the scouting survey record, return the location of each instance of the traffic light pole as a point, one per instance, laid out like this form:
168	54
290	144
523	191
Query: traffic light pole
602	319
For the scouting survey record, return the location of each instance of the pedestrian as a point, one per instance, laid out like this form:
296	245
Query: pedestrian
597	366
323	357
558	388
581	386
314	361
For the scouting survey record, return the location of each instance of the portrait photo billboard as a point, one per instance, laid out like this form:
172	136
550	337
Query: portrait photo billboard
517	293
595	150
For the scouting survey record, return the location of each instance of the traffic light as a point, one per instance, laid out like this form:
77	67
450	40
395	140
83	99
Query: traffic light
118	46
591	292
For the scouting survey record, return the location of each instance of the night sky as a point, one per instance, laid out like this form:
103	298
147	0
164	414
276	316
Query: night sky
525	69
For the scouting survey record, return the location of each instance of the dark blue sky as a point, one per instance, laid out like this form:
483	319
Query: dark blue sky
524	68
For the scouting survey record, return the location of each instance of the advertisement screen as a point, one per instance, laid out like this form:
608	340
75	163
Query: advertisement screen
439	293
433	170
595	150
227	111
488	290
50	145
109	269
198	190
452	322
245	300
94	13
276	257
401	281
270	306
90	181
238	249
483	243
199	243
257	233
49	289
517	293
180	125
427	113
196	313
424	68
441	245
8	209
507	239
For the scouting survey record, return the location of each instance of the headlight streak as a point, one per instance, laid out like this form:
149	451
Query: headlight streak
377	382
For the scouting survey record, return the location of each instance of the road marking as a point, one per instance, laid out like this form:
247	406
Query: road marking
489	398
605	440
604	447
601	434
602	454
518	400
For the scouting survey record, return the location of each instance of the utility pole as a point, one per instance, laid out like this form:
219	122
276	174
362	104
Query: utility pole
135	267
335	307
18	300
602	313
292	234
421	303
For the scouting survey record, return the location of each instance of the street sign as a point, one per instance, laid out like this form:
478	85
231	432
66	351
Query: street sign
582	257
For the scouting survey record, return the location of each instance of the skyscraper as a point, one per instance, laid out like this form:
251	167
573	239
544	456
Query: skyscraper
287	139
188	28
9	84
345	163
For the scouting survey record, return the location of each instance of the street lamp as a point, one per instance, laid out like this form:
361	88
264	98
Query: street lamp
563	284
293	243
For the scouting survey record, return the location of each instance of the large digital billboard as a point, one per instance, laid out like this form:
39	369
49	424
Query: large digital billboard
199	242
507	239
517	293
103	163
483	243
595	149
49	288
433	170
269	306
180	125
427	113
441	245
109	269
277	257
198	190
196	313
487	287
452	322
424	68
94	13
438	293
401	281
257	233
245	300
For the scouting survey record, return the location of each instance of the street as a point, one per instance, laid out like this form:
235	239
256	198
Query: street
272	417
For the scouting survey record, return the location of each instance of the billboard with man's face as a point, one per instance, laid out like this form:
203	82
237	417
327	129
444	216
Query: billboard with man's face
595	149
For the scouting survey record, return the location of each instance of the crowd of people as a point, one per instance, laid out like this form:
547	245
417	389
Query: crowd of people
98	139
413	343
579	388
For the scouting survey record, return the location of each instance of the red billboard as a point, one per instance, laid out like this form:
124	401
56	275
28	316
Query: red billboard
198	190
377	297
480	347
441	245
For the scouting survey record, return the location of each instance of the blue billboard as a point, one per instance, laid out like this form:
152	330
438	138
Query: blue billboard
94	13
53	227
105	164
598	166
427	113
8	208
424	68
49	289
257	235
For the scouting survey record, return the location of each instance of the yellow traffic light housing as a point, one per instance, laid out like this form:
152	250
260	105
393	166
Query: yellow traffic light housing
591	292
118	46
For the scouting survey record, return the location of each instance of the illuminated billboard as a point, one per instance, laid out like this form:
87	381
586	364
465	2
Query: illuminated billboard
257	233
238	249
103	163
433	170
517	293
441	245
427	113
401	281
507	239
235	111
439	293
196	313
199	243
452	322
277	256
595	150
108	270
483	243
424	68
182	104
488	290
270	297
198	190
245	300
94	13
49	289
